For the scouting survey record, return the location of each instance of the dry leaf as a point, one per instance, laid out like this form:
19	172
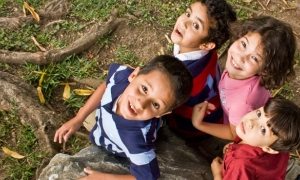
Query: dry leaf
83	92
31	10
247	1
41	78
66	94
40	94
12	153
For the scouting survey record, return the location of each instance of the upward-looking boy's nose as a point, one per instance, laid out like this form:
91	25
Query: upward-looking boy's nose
140	104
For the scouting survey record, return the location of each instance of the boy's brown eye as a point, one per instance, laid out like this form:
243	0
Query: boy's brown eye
155	105
144	89
187	14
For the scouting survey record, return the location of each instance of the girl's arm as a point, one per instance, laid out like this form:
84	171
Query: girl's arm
68	128
95	175
223	131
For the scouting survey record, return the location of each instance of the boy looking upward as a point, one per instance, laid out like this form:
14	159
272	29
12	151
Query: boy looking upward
128	106
197	34
264	135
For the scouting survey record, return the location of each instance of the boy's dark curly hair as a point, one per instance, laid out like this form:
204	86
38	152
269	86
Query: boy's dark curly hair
220	16
284	122
279	45
180	77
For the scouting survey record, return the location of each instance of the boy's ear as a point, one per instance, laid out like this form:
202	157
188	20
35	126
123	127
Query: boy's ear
269	150
163	114
133	74
207	46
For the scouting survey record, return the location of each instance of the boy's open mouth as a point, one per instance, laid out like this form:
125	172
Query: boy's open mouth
178	32
131	109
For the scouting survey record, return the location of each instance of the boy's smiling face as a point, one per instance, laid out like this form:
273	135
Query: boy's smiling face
253	129
147	96
191	27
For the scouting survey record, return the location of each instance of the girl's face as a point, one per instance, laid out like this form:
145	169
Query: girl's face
245	57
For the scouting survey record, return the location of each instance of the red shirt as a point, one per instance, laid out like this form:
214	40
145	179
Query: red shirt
242	162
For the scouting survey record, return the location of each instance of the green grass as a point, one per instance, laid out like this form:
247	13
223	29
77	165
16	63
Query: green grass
21	139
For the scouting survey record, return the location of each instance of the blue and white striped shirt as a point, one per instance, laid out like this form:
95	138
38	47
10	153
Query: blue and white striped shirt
127	138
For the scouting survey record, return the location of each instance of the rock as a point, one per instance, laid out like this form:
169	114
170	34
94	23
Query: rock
178	160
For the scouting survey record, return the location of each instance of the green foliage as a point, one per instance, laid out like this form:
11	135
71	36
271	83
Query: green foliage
56	73
21	139
127	57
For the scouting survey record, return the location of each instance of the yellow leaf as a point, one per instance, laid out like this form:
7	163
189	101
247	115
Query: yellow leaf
41	78
12	153
83	92
66	94
40	94
31	10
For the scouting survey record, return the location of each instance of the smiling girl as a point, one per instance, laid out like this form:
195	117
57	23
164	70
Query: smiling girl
260	59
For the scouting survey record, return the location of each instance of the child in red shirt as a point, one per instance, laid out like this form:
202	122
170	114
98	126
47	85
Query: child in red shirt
264	138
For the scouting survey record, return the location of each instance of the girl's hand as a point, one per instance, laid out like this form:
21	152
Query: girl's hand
216	167
67	129
225	149
200	110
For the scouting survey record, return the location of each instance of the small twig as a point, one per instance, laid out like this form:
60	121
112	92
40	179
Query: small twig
268	3
248	9
54	22
169	40
285	3
261	5
289	8
37	44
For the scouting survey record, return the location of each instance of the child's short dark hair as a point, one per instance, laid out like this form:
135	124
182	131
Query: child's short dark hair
279	45
220	15
284	122
180	77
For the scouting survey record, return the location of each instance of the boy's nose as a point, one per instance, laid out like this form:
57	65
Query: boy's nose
140	104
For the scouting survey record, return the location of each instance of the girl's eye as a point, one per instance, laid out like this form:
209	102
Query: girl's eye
243	44
263	130
145	89
195	25
187	14
258	113
254	58
155	105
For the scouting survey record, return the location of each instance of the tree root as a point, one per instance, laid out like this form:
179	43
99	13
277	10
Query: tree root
55	55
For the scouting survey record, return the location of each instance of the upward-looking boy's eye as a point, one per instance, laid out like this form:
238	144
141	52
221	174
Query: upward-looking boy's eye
196	25
187	14
258	113
144	89
155	105
263	130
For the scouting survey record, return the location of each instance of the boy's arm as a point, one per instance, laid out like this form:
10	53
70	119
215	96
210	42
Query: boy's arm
95	175
223	131
68	128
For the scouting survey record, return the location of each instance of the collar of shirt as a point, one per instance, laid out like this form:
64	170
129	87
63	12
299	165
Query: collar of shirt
188	55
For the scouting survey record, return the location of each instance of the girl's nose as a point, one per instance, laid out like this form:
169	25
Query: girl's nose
249	124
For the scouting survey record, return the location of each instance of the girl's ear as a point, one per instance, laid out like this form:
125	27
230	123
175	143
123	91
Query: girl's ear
133	74
207	46
269	150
